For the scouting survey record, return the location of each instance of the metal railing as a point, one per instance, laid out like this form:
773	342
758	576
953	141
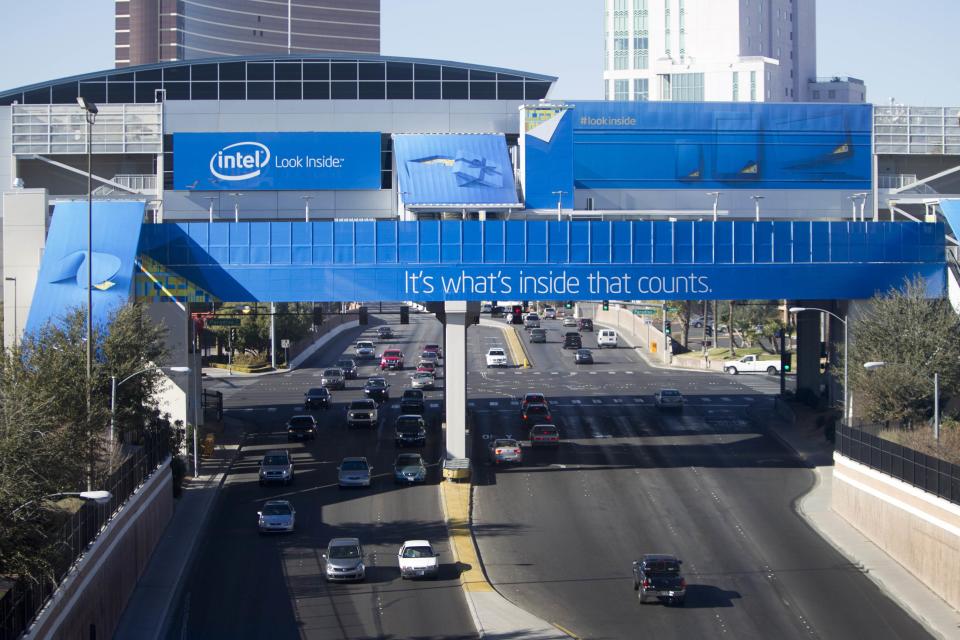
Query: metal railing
25	599
930	474
901	129
139	183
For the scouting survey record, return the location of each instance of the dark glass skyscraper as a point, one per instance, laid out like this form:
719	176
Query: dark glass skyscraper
150	31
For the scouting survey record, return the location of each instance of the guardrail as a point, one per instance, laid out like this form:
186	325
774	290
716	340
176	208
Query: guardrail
26	598
933	475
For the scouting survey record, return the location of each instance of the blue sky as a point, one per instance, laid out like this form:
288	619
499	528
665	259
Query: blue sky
900	53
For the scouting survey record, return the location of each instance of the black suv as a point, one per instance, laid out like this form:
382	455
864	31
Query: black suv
572	341
411	402
302	428
586	324
377	389
657	577
317	398
410	431
349	368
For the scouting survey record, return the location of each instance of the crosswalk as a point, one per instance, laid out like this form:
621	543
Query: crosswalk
703	402
391	405
567	374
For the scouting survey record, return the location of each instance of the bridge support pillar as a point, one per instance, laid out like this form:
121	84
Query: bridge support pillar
809	334
455	377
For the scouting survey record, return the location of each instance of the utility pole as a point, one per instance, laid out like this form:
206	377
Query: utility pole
273	335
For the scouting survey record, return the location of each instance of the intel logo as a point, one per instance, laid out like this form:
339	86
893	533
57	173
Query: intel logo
240	161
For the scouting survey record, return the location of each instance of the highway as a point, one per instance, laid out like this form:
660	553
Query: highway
243	585
557	534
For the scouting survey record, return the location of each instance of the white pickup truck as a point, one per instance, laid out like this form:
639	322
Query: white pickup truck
751	364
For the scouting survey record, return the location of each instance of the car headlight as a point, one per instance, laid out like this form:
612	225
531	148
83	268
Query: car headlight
360	567
285	472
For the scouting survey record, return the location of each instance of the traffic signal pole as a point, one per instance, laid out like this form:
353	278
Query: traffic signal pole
783	353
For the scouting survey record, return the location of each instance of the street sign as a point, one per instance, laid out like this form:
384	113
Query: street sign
223	322
284	344
644	312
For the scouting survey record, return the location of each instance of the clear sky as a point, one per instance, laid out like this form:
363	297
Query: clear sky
902	50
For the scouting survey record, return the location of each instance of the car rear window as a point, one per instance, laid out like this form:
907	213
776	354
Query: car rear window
662	567
413	394
408	425
669	392
274	461
301	421
543	430
318	391
354	465
331	372
537	408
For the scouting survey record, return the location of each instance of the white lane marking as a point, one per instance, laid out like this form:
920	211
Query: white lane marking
271	408
554	373
471	403
434	405
593	373
575	401
494	403
726	399
618	400
595	401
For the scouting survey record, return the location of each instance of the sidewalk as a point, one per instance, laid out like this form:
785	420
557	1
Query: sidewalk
147	614
804	437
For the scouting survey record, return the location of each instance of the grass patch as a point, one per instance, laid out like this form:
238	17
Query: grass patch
723	353
921	439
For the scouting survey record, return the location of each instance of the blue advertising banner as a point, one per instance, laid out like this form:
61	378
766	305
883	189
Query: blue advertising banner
541	260
276	161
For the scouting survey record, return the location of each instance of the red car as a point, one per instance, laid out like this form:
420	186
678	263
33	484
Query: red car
433	347
428	367
391	359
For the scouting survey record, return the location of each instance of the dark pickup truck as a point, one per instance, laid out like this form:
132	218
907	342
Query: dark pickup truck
412	402
657	577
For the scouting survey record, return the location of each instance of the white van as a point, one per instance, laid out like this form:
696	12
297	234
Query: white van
607	338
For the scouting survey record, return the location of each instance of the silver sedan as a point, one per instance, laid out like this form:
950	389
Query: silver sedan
503	450
276	515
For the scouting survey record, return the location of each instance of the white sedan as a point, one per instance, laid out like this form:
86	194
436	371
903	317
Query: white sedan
417	559
496	357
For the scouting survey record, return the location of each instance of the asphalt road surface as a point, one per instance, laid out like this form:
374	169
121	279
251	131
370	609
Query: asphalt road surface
558	533
244	585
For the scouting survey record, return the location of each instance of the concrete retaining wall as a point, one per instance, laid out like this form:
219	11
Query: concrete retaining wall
915	528
93	596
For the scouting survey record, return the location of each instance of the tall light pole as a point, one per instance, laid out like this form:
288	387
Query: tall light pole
863	203
90	112
847	409
210	208
236	206
289	25
306	207
870	366
716	202
114	384
14	281
559	195
756	205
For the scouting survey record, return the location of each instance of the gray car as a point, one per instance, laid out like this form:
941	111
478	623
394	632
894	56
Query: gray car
538	335
344	558
276	466
504	450
333	379
276	515
409	469
349	367
354	472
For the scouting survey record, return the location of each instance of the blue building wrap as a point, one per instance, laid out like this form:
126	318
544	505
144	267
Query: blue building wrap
62	280
724	146
546	260
276	161
547	157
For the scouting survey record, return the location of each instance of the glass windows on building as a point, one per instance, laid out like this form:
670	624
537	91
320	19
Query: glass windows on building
682	87
753	86
683	30
621	36
641	89
621	89
666	27
736	86
641	35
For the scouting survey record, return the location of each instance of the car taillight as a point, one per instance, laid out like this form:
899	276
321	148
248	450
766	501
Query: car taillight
517	450
646	582
498	451
683	583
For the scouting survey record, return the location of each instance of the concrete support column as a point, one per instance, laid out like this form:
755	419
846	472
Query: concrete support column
24	238
455	378
808	349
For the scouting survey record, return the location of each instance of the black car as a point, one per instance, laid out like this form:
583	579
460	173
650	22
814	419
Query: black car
657	577
377	389
302	428
497	312
584	356
349	368
572	341
317	398
410	431
411	402
586	324
536	414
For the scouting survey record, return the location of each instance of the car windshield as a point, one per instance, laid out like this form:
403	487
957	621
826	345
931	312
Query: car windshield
418	552
537	408
669	392
496	352
424	375
353	465
376	383
662	567
413	394
409	460
276	509
534	398
329	373
345	364
343	552
408	425
505	443
391	354
543	430
583	352
364	345
362	404
301	421
428	366
429	355
432	347
274	461
319	391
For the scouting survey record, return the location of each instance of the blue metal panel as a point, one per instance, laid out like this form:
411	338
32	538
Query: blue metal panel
803	260
548	157
454	169
62	280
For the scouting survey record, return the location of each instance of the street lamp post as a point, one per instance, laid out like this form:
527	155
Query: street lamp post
716	202
756	205
870	366
90	114
14	281
236	206
847	409
306	207
98	496
114	384
210	209
559	195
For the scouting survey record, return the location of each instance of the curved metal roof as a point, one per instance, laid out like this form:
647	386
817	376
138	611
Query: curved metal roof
6	97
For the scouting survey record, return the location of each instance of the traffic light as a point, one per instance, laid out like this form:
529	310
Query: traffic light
786	362
517	314
233	333
606	305
363	320
317	316
404	314
667	329
568	305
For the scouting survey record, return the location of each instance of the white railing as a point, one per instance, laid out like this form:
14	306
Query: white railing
136	183
48	129
900	129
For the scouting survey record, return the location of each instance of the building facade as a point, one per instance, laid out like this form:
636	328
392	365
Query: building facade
150	31
716	50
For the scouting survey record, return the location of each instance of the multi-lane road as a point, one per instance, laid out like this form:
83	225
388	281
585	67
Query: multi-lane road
557	534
